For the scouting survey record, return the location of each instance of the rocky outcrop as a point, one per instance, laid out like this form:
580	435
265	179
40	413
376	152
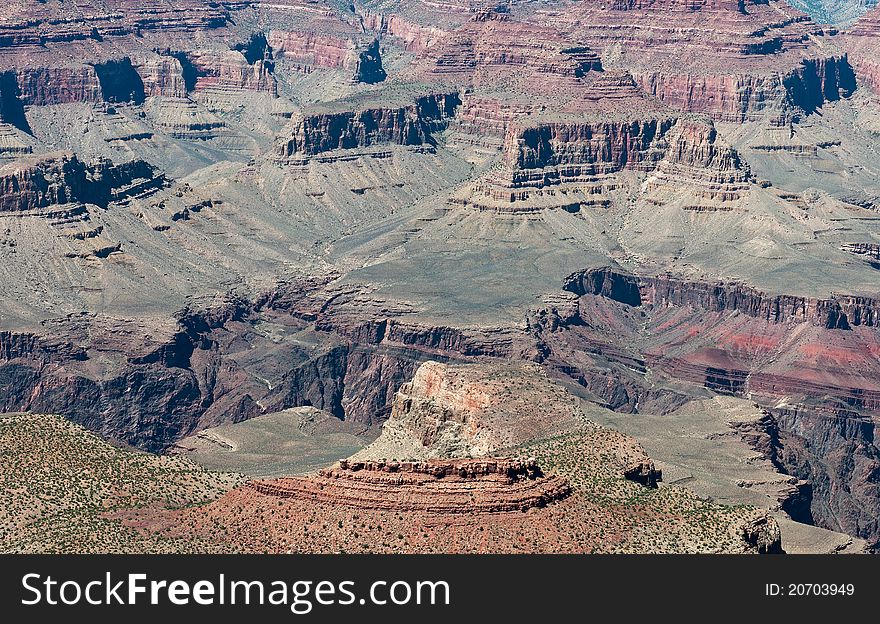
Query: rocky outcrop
44	181
366	64
181	118
305	51
818	81
839	312
862	42
12	144
869	250
11	105
494	50
48	22
763	534
567	164
410	125
163	76
731	60
43	86
840	459
120	82
437	487
743	97
700	163
230	71
418	37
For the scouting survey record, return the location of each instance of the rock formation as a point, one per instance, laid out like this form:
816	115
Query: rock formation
699	162
840	312
438	487
366	64
861	41
411	125
754	56
44	181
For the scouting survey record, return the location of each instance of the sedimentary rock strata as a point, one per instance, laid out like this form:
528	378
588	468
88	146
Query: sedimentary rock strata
861	41
411	125
453	487
754	55
840	312
44	181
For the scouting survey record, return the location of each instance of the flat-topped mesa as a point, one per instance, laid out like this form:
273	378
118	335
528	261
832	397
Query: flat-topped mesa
328	130
567	163
837	312
732	60
436	487
700	164
38	182
862	42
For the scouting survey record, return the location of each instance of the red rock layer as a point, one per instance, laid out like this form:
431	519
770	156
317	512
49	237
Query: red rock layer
91	52
494	51
438	487
230	71
730	59
36	24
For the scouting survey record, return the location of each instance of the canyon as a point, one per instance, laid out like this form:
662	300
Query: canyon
464	234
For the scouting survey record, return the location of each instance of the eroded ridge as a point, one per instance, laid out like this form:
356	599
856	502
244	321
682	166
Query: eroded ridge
462	486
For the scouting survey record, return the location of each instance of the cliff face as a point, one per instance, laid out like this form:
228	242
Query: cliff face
492	49
699	160
304	51
407	125
56	179
571	165
120	82
229	70
439	487
862	42
579	149
808	361
366	64
729	60
743	97
841	312
113	52
164	77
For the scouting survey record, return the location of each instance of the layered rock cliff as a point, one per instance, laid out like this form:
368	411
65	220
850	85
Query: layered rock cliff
862	41
44	181
410	125
699	162
839	312
754	56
